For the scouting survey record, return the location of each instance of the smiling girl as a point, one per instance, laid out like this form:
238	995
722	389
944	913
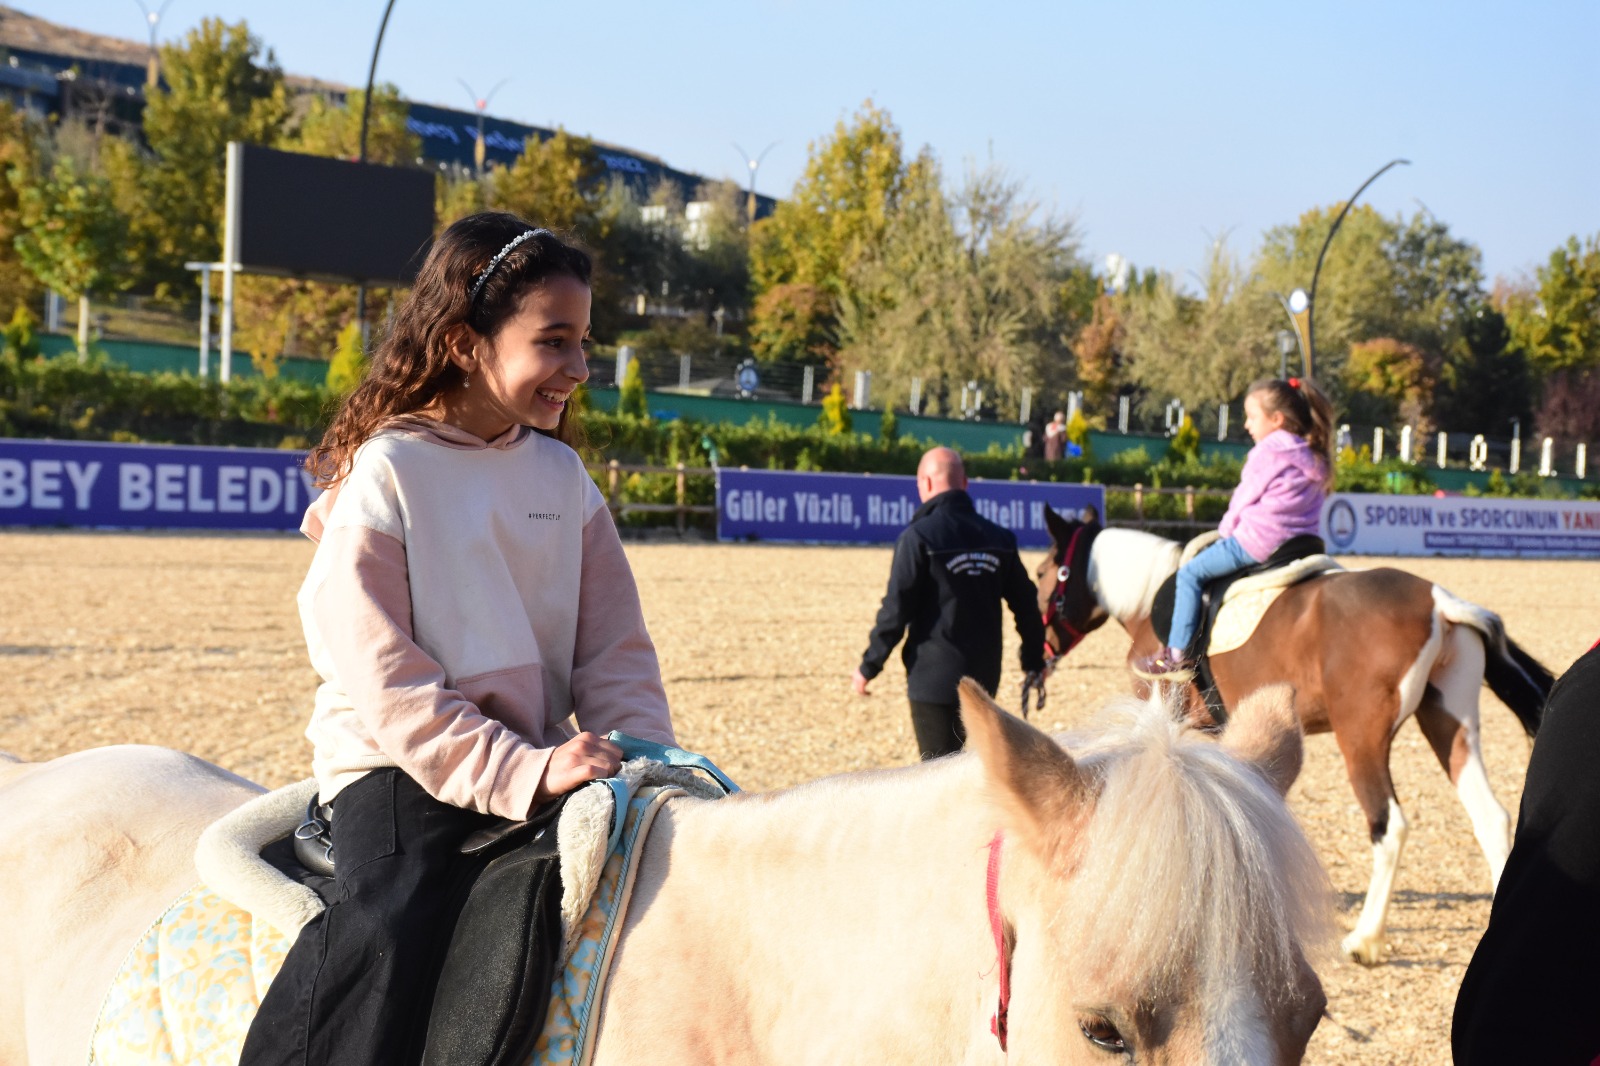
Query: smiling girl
469	609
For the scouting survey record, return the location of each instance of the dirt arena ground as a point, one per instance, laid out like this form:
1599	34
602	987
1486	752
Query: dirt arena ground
194	643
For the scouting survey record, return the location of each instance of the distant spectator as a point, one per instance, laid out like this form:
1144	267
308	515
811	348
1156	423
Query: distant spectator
1055	437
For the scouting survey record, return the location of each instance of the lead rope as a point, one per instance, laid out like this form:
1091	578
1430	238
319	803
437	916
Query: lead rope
997	1024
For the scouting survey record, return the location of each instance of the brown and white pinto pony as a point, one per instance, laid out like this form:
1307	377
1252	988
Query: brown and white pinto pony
1364	650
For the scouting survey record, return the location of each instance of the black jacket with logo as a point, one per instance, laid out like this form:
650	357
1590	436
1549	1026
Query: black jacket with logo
952	567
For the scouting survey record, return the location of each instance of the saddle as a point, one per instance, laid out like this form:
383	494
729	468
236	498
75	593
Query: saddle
1307	548
519	912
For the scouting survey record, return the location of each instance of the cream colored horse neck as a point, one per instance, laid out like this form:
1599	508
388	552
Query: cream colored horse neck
863	896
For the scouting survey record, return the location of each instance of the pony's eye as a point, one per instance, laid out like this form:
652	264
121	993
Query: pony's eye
1103	1035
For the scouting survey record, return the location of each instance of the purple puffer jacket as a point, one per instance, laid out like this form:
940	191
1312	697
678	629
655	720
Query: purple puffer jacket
1279	496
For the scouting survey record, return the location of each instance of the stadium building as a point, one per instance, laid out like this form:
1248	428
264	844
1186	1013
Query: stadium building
48	69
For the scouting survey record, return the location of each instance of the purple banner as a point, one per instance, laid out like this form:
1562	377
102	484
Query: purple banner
872	509
151	486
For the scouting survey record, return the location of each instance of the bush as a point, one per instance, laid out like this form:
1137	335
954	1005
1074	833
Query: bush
835	416
631	400
349	363
1185	447
21	335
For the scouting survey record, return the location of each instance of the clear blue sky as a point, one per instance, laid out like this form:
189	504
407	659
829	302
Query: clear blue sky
1154	125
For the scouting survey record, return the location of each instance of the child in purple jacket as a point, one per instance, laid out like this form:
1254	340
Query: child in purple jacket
1286	477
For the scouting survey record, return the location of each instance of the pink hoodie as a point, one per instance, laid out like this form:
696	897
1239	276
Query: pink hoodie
1279	496
469	608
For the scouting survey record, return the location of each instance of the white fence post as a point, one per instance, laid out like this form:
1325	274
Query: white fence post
1405	444
1377	444
683	371
1222	421
1123	405
624	356
1581	464
863	389
1478	454
1547	458
1027	406
808	381
916	396
1443	448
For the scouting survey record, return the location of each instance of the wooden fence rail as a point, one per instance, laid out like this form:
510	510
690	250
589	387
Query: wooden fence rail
610	474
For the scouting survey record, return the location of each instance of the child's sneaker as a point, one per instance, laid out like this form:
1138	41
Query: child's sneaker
1168	664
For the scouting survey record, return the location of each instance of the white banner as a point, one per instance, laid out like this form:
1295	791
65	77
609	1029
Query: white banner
1371	524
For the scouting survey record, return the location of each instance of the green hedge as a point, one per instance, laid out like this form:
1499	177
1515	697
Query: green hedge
66	399
63	398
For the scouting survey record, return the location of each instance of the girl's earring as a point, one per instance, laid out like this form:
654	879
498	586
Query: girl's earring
466	380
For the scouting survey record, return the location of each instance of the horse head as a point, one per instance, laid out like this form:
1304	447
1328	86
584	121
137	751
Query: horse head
1066	598
1156	898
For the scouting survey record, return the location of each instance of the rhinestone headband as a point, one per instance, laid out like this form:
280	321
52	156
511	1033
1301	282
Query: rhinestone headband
477	285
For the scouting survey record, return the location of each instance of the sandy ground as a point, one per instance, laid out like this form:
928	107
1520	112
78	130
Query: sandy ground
194	643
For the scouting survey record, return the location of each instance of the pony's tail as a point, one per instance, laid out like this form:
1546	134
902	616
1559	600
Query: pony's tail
1520	680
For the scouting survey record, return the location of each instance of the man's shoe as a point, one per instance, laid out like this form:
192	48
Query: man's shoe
1168	664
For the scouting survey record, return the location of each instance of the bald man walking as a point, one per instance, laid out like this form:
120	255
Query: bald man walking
952	568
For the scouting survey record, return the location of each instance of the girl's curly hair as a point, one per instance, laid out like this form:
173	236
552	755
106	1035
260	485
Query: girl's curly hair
411	366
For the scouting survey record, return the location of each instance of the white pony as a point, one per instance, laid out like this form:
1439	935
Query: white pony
1152	898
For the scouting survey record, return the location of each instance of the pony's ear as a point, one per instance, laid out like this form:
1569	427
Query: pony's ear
1038	785
1060	529
1265	732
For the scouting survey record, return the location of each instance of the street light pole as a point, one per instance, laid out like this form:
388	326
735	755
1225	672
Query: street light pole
1311	315
754	163
480	104
153	20
366	113
1295	299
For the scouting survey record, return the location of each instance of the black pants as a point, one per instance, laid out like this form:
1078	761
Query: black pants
938	728
357	985
1533	985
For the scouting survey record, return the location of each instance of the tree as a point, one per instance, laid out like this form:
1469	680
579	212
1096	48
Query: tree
1558	323
1391	381
349	364
1409	280
335	130
835	415
836	216
73	240
555	183
631	399
959	289
216	88
18	152
1494	382
1204	349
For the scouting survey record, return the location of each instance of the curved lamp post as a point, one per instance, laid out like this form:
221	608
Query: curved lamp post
480	104
754	163
366	113
153	20
1311	317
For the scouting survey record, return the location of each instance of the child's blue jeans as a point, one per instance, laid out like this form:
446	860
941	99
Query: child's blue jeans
1223	557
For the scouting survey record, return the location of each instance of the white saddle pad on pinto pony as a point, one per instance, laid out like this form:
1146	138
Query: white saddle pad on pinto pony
1247	599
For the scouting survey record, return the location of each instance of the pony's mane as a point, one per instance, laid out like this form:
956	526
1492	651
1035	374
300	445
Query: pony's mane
1127	567
1191	866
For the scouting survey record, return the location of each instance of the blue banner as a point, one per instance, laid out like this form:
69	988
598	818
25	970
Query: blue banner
151	486
872	509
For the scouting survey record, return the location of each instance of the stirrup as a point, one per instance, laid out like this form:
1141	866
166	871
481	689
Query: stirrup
1158	671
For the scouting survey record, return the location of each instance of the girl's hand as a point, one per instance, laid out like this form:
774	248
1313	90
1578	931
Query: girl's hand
584	758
